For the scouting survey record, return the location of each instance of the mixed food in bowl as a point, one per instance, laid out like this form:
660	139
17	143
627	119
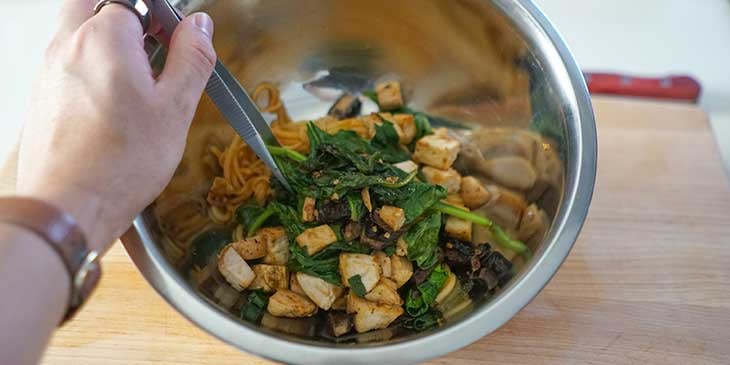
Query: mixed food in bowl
393	221
433	179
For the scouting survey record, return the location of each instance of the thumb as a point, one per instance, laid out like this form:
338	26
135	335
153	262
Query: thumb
190	61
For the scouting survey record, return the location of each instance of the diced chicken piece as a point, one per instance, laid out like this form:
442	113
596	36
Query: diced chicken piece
473	192
394	217
458	228
441	132
369	315
437	151
448	287
384	261
449	178
294	285
511	171
401	247
317	238
385	293
389	95
352	264
319	291
270	278
365	194
407	125
234	268
286	303
455	200
402	269
308	209
250	248
277	245
406	166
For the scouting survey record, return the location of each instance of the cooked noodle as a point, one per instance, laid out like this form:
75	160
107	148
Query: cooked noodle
245	176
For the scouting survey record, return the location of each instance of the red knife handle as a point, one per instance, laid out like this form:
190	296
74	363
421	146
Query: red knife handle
670	87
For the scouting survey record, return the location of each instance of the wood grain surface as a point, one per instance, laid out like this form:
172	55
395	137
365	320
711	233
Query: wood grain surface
647	282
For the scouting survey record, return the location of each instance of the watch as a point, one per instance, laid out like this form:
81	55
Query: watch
64	236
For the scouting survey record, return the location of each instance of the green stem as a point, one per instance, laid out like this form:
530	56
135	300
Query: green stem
287	152
500	236
400	183
259	221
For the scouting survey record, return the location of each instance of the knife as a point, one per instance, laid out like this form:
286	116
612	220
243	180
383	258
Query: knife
226	92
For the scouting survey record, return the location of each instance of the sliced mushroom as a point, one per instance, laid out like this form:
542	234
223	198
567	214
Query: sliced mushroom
511	171
505	207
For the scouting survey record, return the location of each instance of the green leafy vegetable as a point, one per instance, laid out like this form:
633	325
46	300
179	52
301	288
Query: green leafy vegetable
287	152
289	219
414	198
255	306
247	213
356	206
386	140
421	297
207	244
259	220
423	322
422	239
500	236
357	286
325	264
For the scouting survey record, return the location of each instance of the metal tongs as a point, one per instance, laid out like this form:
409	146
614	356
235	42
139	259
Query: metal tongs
225	91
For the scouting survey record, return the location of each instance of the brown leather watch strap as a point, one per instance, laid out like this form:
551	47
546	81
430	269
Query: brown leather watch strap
64	236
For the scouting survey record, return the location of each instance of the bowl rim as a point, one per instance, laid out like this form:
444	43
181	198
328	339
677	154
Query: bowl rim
541	35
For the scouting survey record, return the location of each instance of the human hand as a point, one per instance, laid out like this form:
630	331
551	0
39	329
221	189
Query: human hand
104	136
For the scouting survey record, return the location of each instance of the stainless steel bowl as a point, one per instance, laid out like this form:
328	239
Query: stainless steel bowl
497	62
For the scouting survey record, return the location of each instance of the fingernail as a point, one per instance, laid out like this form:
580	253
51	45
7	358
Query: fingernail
204	22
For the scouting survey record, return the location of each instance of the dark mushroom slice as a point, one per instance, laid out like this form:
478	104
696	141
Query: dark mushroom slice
351	231
376	233
333	211
338	323
499	265
347	106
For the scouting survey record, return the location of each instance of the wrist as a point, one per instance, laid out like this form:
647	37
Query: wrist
85	207
43	269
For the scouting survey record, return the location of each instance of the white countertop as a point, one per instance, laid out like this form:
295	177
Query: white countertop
645	37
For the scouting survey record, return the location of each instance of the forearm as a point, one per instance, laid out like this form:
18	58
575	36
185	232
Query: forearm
34	291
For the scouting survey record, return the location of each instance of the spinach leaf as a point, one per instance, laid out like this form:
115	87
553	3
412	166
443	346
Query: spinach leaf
357	207
357	286
414	198
208	244
247	212
422	239
386	140
423	322
324	264
262	217
421	297
326	269
423	126
255	306
289	219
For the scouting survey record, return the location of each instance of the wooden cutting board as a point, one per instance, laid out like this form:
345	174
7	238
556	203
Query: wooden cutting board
647	282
